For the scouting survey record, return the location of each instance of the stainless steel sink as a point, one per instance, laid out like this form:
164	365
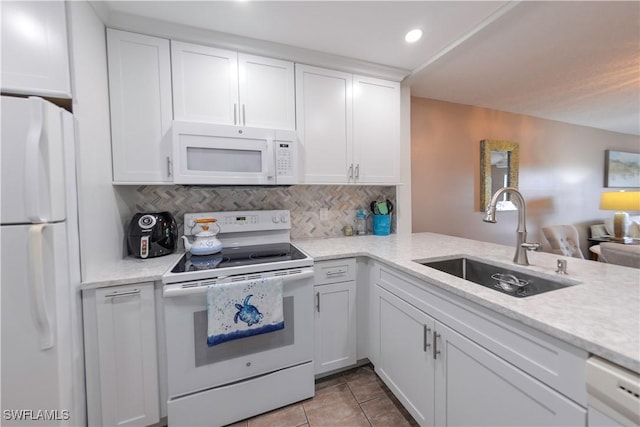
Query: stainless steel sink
495	276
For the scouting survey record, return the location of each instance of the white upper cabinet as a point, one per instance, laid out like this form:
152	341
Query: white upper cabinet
140	98
376	130
35	59
349	127
220	86
324	105
267	92
205	83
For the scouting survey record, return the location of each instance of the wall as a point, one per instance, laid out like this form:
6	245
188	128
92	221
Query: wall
404	189
102	207
304	201
561	171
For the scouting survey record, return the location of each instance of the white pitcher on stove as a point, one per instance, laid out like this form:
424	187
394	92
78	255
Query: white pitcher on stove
206	242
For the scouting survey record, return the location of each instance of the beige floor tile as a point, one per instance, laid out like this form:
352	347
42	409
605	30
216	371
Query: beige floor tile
382	412
355	398
365	384
329	381
334	406
289	416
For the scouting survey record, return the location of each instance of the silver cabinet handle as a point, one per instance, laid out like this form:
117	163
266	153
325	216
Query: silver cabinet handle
116	294
425	338
351	171
334	272
436	352
235	114
318	299
244	116
168	167
358	171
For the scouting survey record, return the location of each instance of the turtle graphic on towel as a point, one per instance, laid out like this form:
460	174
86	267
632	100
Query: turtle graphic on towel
248	313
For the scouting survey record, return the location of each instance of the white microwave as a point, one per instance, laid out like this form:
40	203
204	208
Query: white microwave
205	153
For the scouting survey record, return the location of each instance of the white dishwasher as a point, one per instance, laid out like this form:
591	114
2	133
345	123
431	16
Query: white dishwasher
613	394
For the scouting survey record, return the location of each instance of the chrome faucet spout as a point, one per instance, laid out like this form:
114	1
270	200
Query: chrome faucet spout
521	244
491	214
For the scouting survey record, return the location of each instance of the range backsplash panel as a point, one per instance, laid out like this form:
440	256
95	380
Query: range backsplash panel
306	203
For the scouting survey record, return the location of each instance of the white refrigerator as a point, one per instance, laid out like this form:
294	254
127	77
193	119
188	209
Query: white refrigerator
42	366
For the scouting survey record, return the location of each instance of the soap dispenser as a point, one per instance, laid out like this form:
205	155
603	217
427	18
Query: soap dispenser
361	222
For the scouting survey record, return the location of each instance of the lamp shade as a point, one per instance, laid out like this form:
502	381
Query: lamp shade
620	201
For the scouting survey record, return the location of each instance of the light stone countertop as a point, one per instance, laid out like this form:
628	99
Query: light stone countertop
131	270
601	315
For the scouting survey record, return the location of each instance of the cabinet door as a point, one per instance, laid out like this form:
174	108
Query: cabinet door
128	368
35	59
205	84
267	92
140	98
476	387
405	360
335	326
324	123
376	131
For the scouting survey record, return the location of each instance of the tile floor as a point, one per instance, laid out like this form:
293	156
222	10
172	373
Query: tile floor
353	398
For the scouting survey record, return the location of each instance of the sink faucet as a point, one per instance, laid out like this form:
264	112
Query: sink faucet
521	245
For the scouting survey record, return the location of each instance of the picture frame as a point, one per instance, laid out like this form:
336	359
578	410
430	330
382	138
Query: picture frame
621	169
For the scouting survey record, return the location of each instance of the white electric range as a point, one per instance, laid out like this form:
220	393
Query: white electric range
241	378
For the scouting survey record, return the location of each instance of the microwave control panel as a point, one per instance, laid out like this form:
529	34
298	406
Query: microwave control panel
283	158
286	162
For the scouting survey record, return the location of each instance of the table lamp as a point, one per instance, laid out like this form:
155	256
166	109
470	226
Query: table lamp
620	201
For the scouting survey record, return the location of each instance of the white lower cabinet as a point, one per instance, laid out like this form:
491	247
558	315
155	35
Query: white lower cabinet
121	355
335	319
445	379
405	362
476	387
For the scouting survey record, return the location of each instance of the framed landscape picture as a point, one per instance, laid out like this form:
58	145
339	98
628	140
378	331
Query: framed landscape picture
621	169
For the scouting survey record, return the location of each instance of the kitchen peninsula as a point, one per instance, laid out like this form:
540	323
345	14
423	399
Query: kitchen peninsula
600	315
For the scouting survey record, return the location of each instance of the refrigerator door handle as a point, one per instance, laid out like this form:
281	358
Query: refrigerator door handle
32	170
37	287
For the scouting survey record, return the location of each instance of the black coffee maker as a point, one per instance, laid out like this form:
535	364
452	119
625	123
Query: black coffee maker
152	234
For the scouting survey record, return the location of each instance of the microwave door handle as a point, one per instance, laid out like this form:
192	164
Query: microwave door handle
270	157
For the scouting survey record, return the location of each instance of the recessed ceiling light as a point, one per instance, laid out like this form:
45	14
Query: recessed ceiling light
413	36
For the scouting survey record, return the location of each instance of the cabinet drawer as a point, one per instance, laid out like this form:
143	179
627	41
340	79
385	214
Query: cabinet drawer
334	271
552	361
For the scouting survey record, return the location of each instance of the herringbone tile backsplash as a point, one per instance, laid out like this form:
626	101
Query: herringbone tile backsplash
304	202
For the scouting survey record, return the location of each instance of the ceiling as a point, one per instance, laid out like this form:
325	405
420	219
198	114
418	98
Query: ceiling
572	61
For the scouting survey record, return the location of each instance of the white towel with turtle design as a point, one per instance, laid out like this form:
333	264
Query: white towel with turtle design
243	309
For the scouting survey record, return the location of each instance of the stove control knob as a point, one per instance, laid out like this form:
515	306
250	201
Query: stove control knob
283	218
275	219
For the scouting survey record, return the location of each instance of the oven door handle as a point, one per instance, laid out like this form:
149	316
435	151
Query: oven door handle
177	290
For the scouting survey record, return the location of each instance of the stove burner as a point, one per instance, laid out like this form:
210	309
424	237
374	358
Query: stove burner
203	262
239	256
267	255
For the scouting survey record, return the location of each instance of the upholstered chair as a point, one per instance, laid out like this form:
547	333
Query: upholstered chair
617	253
563	240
